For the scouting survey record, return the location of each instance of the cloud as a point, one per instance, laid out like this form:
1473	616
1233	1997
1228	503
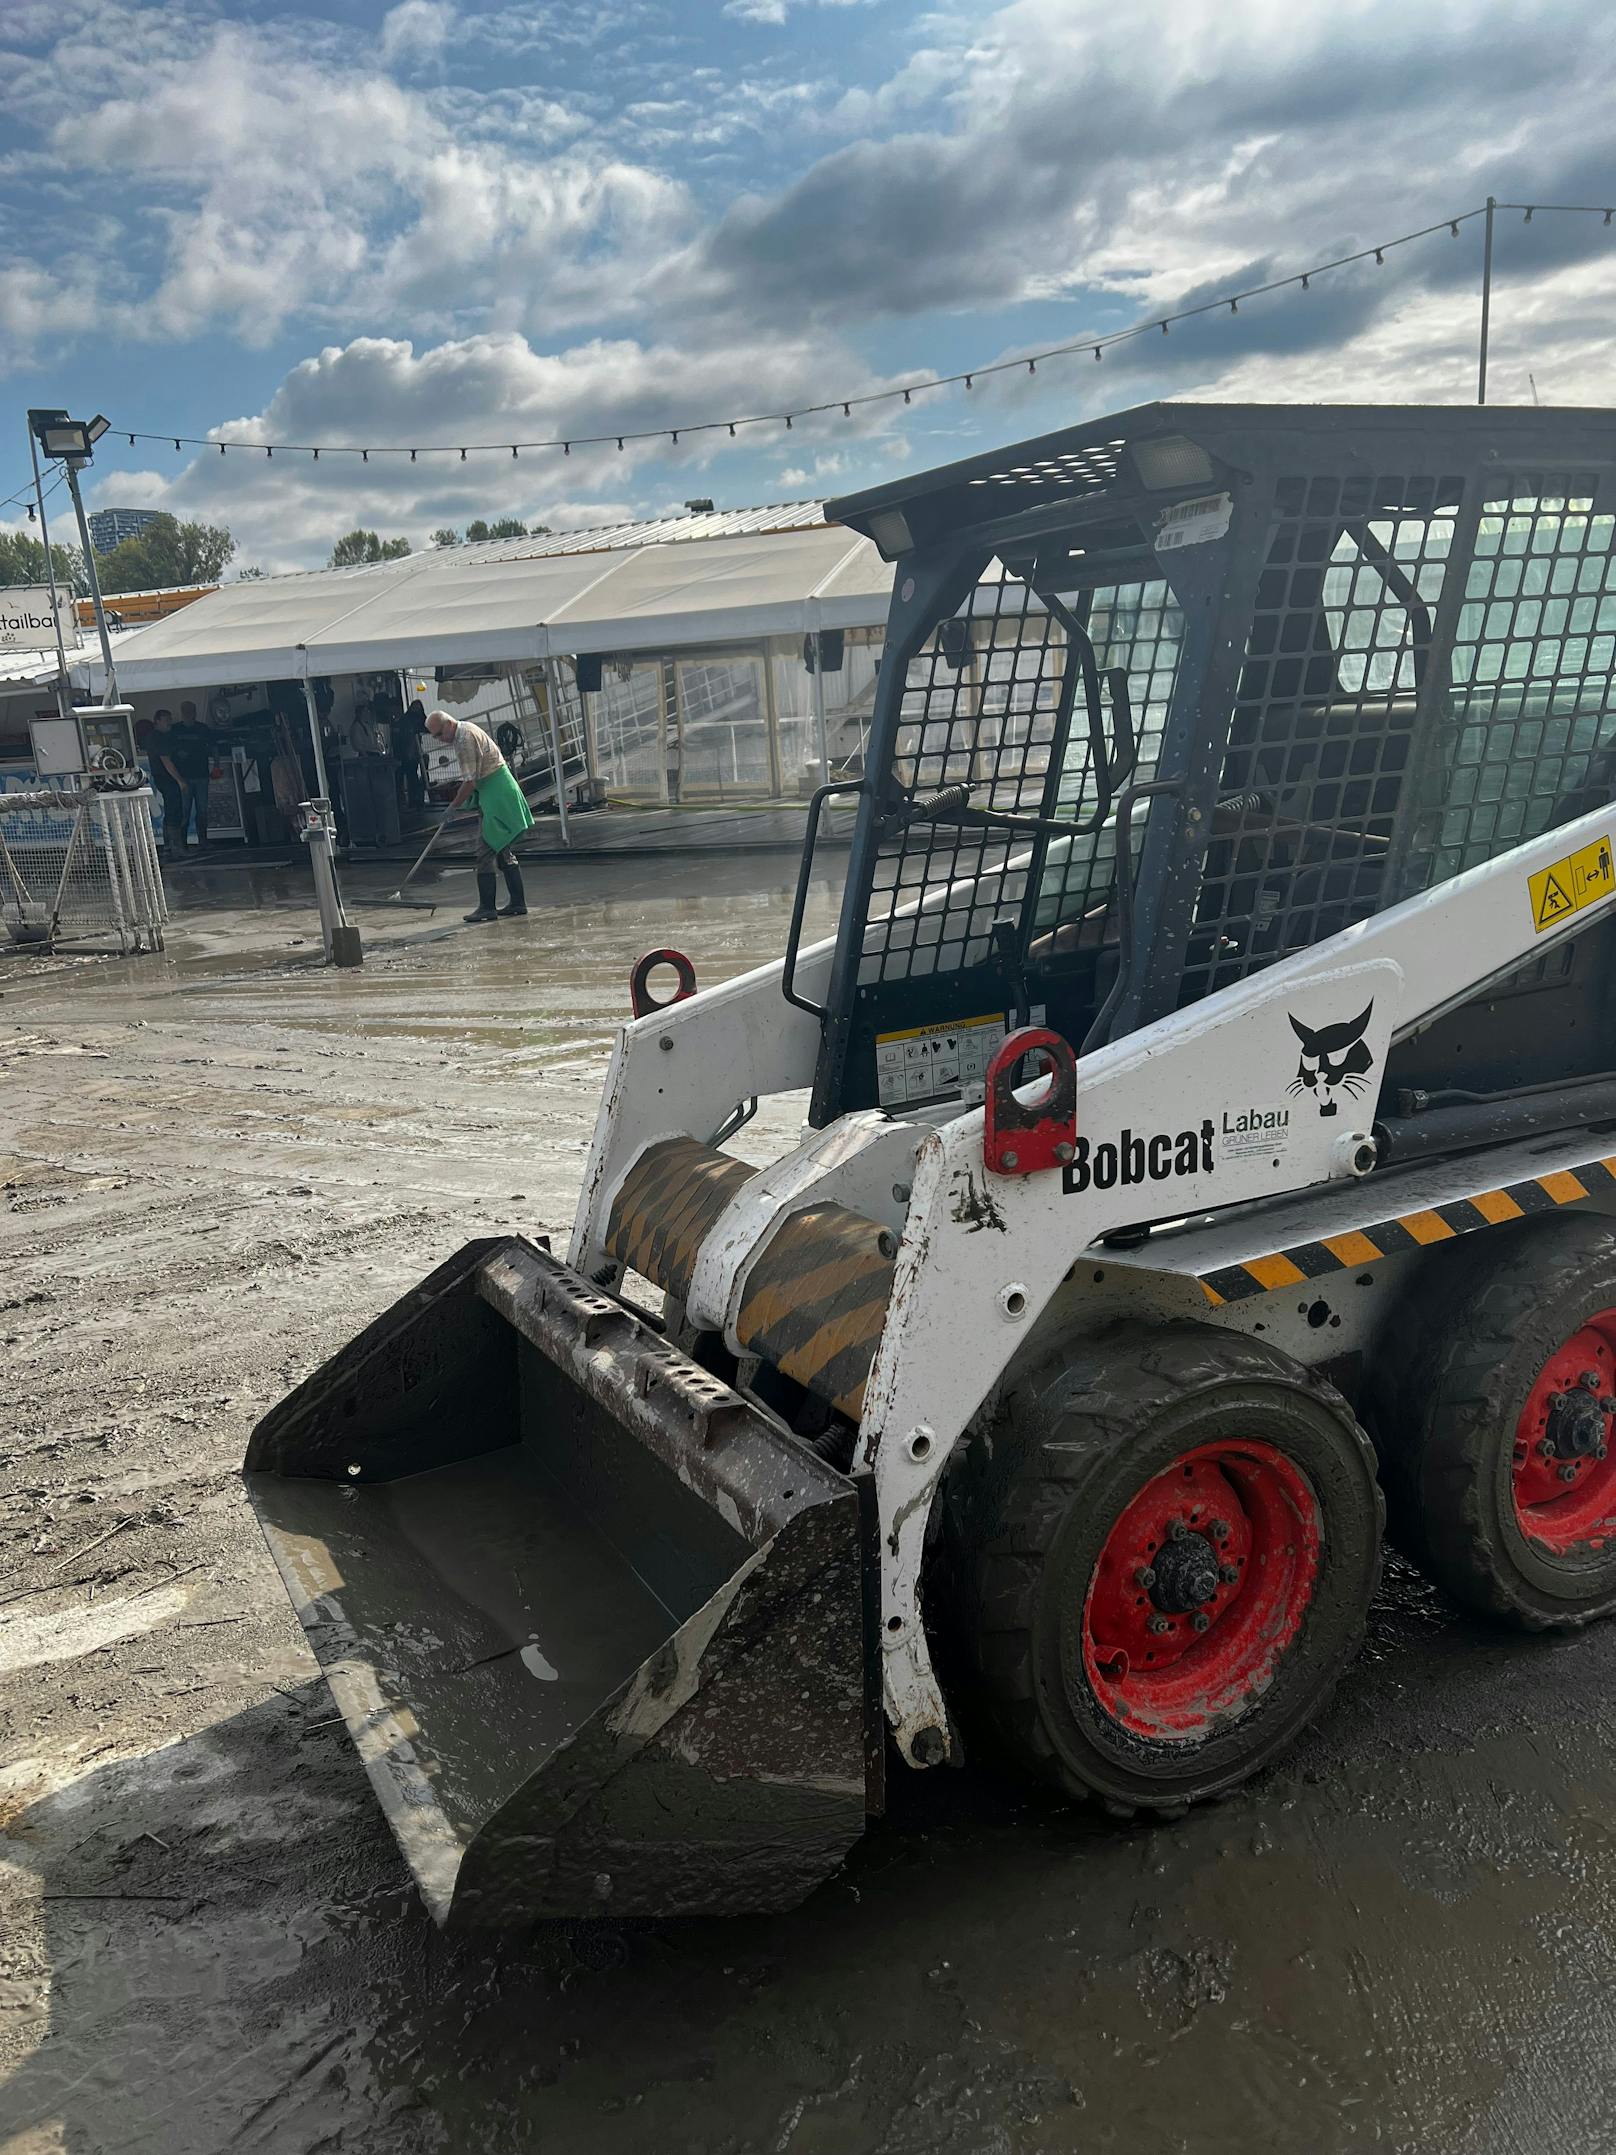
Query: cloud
774	12
286	510
1029	155
288	182
416	30
535	218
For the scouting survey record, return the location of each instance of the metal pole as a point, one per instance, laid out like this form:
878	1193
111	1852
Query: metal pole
1486	298
820	736
113	823
552	682
666	724
320	778
64	693
110	694
342	941
591	746
771	722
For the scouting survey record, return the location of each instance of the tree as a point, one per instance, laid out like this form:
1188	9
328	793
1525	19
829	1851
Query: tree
22	561
445	537
249	576
504	527
166	553
358	546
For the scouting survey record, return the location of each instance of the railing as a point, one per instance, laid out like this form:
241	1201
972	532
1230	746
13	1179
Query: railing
80	866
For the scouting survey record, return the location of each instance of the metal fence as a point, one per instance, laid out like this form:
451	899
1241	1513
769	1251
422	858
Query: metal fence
80	867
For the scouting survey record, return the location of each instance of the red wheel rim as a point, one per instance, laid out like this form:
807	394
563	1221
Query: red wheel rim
1563	1474
1229	1534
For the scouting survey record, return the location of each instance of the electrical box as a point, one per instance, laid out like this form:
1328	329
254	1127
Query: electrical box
109	737
58	747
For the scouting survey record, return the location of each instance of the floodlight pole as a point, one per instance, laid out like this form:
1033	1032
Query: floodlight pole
1486	298
110	694
64	691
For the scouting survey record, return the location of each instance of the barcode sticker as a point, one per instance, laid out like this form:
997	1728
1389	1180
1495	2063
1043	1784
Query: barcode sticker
1193	523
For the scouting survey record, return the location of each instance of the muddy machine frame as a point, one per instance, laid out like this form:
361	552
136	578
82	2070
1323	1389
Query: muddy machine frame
1206	1092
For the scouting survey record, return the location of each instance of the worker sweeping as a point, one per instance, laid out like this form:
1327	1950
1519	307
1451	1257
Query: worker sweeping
503	813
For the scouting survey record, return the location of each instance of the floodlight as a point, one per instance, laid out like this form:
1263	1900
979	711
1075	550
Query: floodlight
60	436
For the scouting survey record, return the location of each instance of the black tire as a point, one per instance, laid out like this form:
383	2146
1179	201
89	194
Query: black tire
1031	1506
1459	1363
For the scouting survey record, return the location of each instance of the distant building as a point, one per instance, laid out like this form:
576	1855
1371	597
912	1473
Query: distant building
110	527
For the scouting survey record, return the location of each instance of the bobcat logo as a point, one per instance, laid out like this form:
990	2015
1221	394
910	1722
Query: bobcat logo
1335	1059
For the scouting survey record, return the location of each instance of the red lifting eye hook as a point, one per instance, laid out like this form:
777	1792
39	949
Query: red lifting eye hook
641	1001
1023	1137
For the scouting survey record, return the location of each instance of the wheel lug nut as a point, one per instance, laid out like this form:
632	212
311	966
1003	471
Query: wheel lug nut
1228	1573
1600	1450
1201	1620
1568	1472
1590	1378
1607	1405
1220	1530
1144	1576
1176	1530
1158	1624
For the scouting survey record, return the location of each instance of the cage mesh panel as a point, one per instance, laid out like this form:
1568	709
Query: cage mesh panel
991	721
1139	628
988	721
1090	470
1324	719
1525	743
80	866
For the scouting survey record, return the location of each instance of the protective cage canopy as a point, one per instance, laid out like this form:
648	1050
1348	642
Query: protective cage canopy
1290	664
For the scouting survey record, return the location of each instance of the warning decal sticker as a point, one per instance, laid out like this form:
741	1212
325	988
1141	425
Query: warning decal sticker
936	1060
1581	879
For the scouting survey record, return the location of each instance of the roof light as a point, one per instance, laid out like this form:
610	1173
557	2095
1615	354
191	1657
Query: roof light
1172	460
889	528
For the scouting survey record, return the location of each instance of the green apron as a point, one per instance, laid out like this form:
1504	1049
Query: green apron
505	814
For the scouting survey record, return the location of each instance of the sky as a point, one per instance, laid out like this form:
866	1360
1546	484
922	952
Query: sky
455	220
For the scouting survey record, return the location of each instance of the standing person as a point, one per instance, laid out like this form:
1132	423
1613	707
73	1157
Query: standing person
166	777
193	753
409	754
504	814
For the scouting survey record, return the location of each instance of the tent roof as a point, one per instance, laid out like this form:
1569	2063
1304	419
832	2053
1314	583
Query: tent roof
677	583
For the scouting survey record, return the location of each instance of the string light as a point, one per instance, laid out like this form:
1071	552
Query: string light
965	378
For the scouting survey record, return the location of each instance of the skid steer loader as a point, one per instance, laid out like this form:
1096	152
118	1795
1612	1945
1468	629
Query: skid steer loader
1212	1125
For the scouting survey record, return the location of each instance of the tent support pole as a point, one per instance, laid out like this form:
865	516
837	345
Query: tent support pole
821	741
771	717
550	701
321	778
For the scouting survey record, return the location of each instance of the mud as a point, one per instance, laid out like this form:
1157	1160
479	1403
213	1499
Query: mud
214	1167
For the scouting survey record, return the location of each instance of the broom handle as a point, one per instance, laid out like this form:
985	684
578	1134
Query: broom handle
425	850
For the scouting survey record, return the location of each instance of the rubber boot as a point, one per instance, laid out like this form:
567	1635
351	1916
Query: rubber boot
485	898
517	908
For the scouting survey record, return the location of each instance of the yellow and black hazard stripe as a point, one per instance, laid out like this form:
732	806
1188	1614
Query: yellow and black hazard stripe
669	1201
1306	1261
816	1299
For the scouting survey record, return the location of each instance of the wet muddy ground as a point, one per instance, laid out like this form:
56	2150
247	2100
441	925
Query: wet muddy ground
214	1167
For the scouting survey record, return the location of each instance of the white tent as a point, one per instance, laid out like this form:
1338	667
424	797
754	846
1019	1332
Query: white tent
521	601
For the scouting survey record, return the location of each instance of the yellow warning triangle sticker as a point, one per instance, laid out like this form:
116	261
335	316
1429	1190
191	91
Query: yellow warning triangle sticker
1553	902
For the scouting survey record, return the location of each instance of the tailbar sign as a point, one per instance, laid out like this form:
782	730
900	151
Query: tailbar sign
27	622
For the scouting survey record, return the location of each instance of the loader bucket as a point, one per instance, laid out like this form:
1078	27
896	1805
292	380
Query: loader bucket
594	1622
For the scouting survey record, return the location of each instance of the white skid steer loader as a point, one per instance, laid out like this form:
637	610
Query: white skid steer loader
1211	1066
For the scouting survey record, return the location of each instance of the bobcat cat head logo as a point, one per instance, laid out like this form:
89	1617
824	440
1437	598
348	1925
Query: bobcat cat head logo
1335	1059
